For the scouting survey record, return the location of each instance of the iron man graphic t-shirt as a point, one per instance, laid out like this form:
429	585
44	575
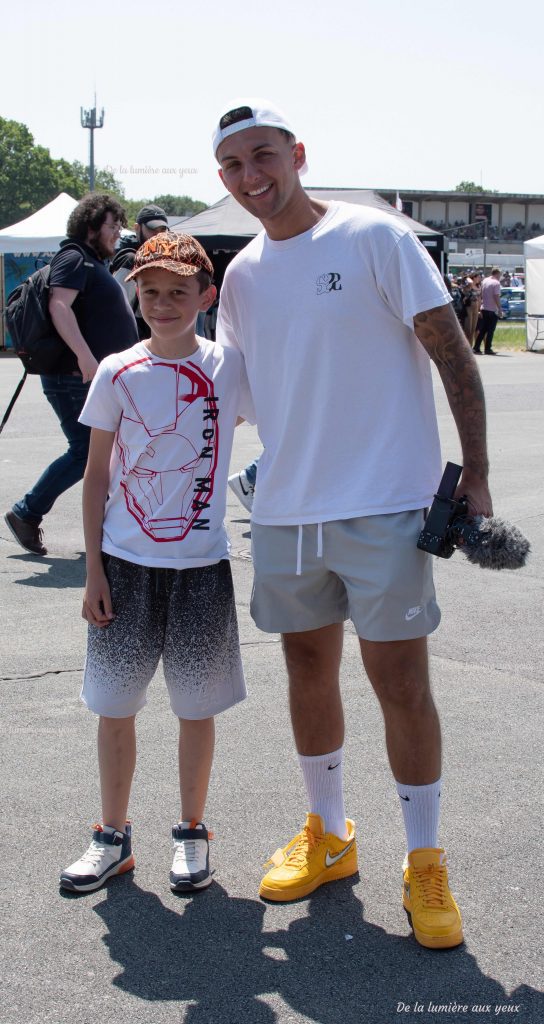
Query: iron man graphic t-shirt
174	421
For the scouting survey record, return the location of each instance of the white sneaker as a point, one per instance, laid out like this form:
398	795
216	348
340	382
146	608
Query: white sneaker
191	864
242	488
110	853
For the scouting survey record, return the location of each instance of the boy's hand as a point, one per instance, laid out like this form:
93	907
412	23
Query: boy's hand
97	609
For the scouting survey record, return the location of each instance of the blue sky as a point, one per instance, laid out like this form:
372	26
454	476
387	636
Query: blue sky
395	93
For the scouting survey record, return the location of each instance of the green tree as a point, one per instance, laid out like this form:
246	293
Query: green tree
69	180
104	180
179	206
29	177
173	206
471	186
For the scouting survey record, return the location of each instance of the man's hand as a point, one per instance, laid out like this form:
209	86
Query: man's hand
97	609
476	491
88	365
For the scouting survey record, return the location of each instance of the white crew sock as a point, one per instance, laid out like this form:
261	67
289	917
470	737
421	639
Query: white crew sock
323	780
421	810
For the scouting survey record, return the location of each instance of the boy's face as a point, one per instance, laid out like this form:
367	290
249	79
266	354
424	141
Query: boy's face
259	167
170	303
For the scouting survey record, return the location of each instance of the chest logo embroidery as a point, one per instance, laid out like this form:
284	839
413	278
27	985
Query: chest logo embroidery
328	283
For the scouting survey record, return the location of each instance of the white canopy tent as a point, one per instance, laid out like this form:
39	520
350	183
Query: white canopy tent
41	232
534	290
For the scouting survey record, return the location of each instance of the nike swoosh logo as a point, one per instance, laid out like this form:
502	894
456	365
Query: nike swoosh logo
242	486
329	861
404	797
332	767
412	613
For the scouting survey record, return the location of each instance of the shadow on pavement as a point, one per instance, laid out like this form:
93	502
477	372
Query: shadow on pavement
331	966
62	572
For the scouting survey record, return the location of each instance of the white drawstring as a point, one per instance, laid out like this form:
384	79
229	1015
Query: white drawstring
299	546
299	551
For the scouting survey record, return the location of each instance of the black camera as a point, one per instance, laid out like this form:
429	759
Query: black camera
485	541
448	524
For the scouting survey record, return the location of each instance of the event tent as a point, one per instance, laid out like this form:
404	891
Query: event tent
533	251
226	227
41	232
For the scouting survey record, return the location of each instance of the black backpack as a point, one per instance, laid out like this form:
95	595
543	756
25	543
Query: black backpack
35	340
31	329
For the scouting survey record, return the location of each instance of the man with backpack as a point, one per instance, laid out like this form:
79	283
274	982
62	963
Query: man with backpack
151	220
90	312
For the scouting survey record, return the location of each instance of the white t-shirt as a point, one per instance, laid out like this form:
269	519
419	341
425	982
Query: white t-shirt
174	421
341	385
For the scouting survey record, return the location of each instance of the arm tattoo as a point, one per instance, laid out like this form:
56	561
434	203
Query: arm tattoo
441	336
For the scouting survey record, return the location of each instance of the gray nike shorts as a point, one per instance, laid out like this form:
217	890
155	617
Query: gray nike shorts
367	569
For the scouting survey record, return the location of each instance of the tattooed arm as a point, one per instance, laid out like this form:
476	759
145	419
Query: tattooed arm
442	338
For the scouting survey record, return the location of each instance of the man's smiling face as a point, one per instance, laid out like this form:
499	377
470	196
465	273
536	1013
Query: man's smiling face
259	167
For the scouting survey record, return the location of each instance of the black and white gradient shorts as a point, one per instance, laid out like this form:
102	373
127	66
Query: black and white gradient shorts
187	616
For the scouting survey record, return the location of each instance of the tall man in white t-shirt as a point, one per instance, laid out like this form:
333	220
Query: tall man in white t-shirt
337	309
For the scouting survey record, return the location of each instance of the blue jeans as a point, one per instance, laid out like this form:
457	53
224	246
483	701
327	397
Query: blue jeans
66	394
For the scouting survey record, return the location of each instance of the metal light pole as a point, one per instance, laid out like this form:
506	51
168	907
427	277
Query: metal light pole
90	120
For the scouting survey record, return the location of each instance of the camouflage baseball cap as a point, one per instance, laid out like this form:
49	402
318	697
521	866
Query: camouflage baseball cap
181	254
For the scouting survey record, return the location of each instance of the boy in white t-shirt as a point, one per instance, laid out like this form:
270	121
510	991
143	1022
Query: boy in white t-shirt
158	577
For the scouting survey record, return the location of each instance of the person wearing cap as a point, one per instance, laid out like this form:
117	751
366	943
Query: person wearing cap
150	220
162	416
337	309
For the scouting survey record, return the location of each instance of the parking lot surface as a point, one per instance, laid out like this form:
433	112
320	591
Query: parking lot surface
136	952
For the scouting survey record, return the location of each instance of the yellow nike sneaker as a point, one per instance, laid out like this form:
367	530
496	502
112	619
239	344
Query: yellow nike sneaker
312	858
432	911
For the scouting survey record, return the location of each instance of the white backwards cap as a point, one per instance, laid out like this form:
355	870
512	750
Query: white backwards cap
248	113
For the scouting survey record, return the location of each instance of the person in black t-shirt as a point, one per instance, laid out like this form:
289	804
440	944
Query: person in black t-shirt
91	313
151	220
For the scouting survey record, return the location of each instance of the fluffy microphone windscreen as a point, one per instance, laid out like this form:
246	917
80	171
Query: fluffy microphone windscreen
499	545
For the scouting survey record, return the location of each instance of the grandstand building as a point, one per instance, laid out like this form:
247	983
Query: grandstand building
505	220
